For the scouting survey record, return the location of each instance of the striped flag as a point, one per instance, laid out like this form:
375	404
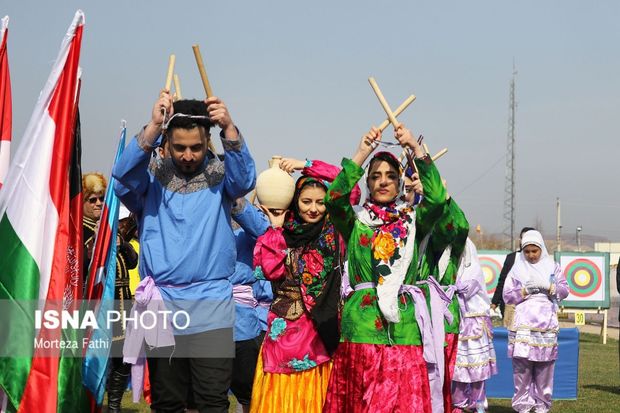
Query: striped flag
101	281
6	109
35	259
71	397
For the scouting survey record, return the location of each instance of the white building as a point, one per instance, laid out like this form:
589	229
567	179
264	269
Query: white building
613	248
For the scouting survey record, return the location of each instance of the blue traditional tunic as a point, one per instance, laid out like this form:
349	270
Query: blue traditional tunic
264	295
186	242
252	224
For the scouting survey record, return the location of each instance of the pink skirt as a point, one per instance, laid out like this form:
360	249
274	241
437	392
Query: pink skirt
377	378
452	341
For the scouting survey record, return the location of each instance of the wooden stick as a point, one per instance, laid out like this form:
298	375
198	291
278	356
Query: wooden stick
205	83
391	117
177	87
171	61
253	197
212	146
426	148
402	156
410	161
397	112
383	102
440	154
203	72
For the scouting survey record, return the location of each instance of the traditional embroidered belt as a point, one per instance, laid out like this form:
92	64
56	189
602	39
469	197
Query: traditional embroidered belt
422	316
244	295
147	298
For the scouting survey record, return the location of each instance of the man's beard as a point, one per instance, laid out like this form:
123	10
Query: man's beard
188	170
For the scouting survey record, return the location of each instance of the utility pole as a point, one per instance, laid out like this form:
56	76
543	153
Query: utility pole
509	186
559	227
579	238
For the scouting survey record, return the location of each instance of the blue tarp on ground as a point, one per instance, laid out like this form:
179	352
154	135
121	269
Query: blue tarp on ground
566	367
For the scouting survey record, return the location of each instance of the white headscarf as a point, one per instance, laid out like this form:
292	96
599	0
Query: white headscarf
469	269
540	272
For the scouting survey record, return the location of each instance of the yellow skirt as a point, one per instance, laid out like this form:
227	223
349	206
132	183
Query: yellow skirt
296	392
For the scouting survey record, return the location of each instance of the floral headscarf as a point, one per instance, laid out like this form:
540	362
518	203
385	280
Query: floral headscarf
318	243
393	243
315	262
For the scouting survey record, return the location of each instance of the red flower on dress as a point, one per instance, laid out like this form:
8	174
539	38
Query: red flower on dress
357	278
314	262
367	301
335	194
450	226
364	240
378	323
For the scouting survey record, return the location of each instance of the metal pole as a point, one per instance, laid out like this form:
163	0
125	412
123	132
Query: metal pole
579	238
509	187
559	227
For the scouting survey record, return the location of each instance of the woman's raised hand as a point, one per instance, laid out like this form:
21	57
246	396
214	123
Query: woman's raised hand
406	140
367	144
291	165
276	216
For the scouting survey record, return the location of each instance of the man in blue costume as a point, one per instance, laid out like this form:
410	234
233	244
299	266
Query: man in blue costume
187	247
248	224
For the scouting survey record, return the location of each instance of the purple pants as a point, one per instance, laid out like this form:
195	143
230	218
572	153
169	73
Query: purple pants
465	395
533	385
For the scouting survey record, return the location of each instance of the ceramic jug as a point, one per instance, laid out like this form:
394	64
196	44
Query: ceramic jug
274	187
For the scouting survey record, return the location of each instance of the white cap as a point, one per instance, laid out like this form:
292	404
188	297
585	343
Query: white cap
123	212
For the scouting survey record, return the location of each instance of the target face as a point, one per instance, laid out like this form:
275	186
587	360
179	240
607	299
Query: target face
587	276
491	269
584	277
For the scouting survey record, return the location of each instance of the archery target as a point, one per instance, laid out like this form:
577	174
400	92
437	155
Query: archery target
587	277
584	277
491	265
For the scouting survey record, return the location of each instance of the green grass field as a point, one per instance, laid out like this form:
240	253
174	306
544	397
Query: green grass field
599	383
599	380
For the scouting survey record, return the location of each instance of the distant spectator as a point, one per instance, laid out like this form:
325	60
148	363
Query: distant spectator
535	285
498	300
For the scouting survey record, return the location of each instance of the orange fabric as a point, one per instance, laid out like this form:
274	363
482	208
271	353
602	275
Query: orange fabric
296	392
146	388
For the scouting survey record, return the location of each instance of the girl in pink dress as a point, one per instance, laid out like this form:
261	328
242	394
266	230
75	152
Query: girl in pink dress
535	284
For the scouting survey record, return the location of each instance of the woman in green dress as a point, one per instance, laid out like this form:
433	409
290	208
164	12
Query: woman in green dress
386	337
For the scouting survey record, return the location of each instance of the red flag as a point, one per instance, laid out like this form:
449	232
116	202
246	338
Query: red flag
6	110
74	270
45	380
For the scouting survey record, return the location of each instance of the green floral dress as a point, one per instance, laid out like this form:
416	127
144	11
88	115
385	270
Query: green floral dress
449	237
362	320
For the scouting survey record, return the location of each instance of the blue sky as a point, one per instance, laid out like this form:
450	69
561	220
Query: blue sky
294	75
